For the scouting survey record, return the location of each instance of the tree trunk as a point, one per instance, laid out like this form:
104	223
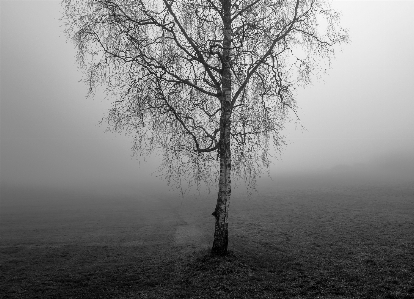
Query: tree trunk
221	212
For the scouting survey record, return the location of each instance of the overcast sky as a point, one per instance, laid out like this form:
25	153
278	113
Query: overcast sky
361	111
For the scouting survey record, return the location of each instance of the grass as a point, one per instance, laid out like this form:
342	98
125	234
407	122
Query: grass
355	242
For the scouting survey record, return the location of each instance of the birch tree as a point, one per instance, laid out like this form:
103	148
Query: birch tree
209	83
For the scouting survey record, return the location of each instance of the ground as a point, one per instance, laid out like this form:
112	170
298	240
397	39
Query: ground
311	242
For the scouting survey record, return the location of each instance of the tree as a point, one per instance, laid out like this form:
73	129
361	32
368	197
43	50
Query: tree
208	82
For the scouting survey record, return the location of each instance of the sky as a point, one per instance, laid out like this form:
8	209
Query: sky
359	113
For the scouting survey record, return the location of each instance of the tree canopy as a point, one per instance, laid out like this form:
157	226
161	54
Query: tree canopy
163	62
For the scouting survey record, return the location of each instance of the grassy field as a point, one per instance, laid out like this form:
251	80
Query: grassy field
321	242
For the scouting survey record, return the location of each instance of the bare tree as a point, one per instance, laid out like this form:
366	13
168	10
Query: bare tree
208	82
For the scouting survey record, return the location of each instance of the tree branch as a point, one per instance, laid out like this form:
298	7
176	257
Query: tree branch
193	45
268	52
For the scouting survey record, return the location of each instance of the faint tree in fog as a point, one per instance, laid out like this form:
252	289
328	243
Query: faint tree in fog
209	83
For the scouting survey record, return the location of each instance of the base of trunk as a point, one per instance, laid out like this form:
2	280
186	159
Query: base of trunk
221	240
219	251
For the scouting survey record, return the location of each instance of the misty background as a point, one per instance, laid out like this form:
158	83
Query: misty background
356	121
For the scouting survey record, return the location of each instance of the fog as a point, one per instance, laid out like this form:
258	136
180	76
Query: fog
356	122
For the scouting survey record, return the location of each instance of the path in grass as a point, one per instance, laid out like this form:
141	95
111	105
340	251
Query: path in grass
188	234
195	225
